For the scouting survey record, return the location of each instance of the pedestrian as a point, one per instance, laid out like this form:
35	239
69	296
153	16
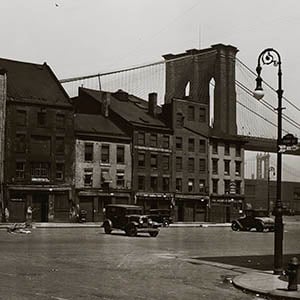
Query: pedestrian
6	214
29	216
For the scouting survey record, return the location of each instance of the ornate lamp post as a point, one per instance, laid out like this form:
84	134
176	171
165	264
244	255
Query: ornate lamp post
267	57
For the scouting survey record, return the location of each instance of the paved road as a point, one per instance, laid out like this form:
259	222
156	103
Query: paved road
181	263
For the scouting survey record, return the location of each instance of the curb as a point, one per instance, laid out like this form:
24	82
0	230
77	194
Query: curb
265	283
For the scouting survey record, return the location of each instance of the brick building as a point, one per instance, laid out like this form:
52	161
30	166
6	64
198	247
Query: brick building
39	142
151	142
261	194
102	164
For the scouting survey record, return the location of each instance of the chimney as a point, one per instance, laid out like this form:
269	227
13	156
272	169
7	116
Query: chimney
105	104
152	103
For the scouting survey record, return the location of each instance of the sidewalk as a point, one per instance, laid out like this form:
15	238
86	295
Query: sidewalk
265	283
98	224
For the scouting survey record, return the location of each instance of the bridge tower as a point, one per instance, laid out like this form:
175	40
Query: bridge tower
195	69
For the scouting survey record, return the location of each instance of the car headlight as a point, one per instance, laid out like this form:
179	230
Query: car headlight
150	221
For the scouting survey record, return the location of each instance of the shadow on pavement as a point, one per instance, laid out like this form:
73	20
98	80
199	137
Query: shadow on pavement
258	262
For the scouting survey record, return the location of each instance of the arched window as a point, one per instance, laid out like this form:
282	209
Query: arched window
187	89
212	85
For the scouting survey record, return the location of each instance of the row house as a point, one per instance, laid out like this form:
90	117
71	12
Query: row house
38	143
151	142
102	164
227	189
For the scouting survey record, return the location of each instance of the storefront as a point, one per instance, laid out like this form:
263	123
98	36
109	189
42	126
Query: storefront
46	203
191	208
94	202
154	200
225	209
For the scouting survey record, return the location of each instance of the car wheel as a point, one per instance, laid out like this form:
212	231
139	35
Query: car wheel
153	233
260	227
235	226
165	223
131	230
107	228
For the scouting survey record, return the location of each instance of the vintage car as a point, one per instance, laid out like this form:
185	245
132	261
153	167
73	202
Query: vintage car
254	219
161	216
129	218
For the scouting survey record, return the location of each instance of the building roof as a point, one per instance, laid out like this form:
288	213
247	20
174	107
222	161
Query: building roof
134	110
35	83
96	125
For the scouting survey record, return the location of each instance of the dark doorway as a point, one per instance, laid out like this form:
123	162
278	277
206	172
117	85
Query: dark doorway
180	212
40	204
87	204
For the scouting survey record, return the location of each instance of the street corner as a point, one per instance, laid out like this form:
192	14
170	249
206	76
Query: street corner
267	284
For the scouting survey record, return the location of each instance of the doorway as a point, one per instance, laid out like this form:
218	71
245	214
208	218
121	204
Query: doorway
40	207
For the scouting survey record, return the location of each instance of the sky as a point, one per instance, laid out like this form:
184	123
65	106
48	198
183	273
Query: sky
81	37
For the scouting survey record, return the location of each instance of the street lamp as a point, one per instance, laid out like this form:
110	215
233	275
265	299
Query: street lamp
267	57
271	169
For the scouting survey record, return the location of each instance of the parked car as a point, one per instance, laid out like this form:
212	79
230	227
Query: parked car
257	219
129	218
161	216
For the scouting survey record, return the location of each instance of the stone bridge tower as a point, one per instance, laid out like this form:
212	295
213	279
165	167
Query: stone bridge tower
196	68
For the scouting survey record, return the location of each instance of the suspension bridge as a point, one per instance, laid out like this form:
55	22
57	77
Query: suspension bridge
256	120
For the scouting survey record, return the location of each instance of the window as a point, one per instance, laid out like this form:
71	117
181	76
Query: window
120	180
202	115
88	177
20	170
60	121
88	152
178	141
227	149
166	183
166	141
238	187
215	147
238	168
202	146
179	120
40	171
153	161
60	145
202	165
20	143
191	113
141	138
238	151
41	119
141	159
226	167
191	185
215	186
201	186
215	166
153	183
166	162
179	184
105	153
226	186
21	118
141	183
153	140
178	163
105	179
191	164
191	145
120	154
60	170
